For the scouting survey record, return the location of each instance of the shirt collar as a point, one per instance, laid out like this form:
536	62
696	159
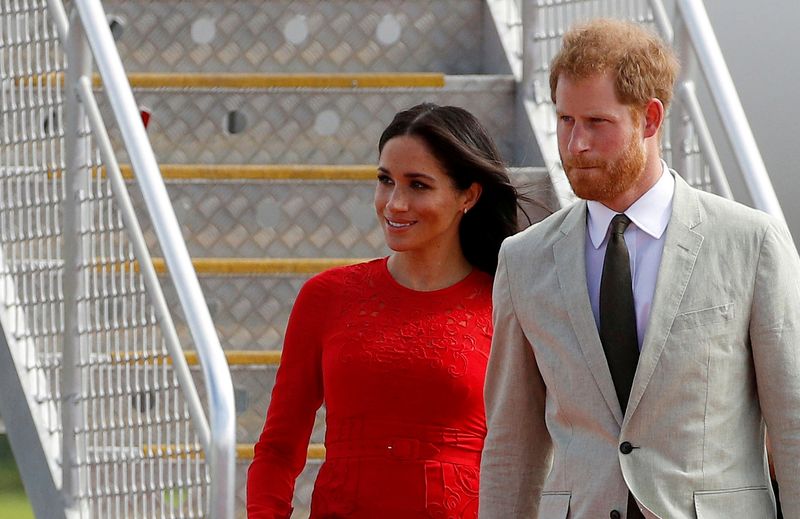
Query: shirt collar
649	213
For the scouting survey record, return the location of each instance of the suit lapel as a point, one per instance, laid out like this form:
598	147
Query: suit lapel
681	247
570	261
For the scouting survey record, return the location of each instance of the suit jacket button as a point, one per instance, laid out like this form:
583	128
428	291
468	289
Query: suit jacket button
625	447
615	515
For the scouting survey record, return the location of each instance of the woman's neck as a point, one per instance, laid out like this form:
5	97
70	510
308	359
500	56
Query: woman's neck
426	273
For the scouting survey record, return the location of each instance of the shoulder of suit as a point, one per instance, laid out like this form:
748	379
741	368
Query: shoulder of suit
544	232
719	212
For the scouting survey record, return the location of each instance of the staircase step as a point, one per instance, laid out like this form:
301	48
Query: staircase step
253	267
242	358
144	80
304	212
244	451
298	36
234	358
245	172
214	125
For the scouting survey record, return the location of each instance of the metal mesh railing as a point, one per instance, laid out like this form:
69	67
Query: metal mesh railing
139	455
79	313
31	193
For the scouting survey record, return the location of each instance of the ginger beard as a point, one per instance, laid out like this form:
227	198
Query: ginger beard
611	178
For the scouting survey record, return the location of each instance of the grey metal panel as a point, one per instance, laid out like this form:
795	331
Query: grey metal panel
253	388
249	312
299	36
305	126
305	219
259	219
302	491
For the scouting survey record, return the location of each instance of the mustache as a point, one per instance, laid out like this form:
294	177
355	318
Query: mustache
573	162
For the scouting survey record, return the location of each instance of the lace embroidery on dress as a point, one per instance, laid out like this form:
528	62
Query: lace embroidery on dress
403	341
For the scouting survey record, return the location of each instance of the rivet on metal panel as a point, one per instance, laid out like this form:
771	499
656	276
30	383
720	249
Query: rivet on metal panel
327	122
204	30
242	399
388	30
117	26
236	122
296	30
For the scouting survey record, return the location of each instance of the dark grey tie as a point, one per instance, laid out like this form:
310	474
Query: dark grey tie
617	312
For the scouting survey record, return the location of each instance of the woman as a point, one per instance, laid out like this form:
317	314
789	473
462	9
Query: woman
397	347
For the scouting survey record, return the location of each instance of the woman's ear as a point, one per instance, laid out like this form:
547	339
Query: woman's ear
473	193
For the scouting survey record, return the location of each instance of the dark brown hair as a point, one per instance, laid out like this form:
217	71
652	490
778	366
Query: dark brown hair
463	147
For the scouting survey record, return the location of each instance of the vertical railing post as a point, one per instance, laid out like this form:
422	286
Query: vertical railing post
536	92
527	17
680	123
76	180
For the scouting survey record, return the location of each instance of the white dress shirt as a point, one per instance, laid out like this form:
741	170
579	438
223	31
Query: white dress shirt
644	238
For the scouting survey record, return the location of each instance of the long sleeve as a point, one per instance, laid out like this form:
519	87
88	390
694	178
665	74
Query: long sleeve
775	339
518	448
280	453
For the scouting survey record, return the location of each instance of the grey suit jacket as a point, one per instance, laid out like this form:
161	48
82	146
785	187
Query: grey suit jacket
720	358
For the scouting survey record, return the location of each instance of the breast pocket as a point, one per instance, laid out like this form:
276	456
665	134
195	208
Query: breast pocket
714	315
554	505
737	502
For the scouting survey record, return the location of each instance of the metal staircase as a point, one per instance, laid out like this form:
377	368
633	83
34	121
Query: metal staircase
264	118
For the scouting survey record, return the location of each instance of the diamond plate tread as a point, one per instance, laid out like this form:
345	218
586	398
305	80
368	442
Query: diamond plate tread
245	218
252	387
260	81
298	35
302	492
301	126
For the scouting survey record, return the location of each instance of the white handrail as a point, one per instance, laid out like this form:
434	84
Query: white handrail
705	45
222	454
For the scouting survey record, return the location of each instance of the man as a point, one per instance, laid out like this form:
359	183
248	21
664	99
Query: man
637	358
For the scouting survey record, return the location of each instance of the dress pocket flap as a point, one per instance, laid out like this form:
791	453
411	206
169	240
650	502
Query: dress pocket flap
737	502
706	316
554	505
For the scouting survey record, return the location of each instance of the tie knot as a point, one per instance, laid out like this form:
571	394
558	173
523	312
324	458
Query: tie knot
619	223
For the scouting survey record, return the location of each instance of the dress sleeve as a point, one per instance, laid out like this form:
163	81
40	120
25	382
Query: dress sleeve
280	453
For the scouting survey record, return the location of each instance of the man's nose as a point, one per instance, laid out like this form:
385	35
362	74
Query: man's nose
578	140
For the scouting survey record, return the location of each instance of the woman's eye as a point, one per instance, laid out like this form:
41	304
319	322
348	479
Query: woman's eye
384	179
419	185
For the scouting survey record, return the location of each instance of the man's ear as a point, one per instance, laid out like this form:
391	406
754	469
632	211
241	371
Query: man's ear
653	117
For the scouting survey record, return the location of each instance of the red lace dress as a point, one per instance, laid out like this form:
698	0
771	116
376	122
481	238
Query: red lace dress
401	373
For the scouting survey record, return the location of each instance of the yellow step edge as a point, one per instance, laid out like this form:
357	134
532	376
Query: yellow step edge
238	266
255	266
334	80
244	451
234	358
262	172
242	358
